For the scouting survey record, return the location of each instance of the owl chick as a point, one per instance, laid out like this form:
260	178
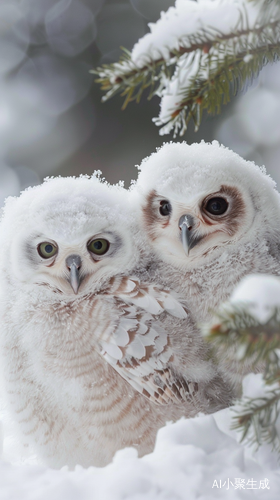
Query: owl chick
93	359
211	218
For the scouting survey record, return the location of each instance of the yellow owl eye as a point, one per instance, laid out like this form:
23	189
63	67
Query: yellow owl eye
47	249
99	246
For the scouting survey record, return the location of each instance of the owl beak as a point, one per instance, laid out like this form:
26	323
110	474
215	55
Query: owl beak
189	239
74	263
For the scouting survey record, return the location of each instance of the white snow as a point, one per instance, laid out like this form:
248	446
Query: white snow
195	458
190	24
260	293
187	19
184	26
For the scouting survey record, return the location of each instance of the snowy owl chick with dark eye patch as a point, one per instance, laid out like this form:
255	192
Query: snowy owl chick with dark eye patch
93	359
211	218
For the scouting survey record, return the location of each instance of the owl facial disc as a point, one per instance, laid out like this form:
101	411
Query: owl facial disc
74	263
189	239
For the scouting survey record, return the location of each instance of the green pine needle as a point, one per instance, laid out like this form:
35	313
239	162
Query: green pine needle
234	326
257	420
227	64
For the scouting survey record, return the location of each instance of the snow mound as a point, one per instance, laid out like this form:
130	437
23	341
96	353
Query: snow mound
195	458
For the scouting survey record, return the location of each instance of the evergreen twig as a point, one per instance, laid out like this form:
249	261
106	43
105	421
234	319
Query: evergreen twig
257	420
259	342
227	62
235	325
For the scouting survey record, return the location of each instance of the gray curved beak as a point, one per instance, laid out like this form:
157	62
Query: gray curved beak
74	263
189	240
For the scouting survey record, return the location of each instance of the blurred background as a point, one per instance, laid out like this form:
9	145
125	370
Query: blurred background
52	121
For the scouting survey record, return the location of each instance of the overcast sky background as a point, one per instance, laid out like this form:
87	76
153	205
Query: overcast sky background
52	121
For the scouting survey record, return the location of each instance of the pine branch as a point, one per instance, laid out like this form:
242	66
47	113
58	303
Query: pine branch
254	342
260	342
231	75
257	420
128	80
124	75
207	69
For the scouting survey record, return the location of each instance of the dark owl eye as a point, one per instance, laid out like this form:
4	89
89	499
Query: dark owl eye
216	206
99	246
165	208
47	249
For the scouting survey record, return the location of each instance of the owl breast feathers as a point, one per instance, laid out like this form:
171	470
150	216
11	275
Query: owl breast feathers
94	357
210	218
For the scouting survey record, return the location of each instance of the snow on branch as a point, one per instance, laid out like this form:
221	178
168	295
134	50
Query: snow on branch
196	57
248	325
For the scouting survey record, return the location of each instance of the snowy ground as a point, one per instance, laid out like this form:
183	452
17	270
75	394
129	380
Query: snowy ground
195	458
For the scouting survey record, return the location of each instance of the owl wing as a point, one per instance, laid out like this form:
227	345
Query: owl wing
139	348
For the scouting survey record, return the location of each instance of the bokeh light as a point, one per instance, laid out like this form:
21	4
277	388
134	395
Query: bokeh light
75	21
253	127
52	121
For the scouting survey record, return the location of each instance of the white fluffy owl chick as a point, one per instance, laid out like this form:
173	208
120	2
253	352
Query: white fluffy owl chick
93	360
211	218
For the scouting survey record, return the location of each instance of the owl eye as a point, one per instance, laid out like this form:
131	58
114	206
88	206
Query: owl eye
47	249
99	246
165	208
216	206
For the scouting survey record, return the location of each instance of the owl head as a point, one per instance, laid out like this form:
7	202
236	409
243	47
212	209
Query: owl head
198	199
67	235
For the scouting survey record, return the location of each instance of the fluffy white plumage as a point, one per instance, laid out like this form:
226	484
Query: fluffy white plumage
211	218
93	359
